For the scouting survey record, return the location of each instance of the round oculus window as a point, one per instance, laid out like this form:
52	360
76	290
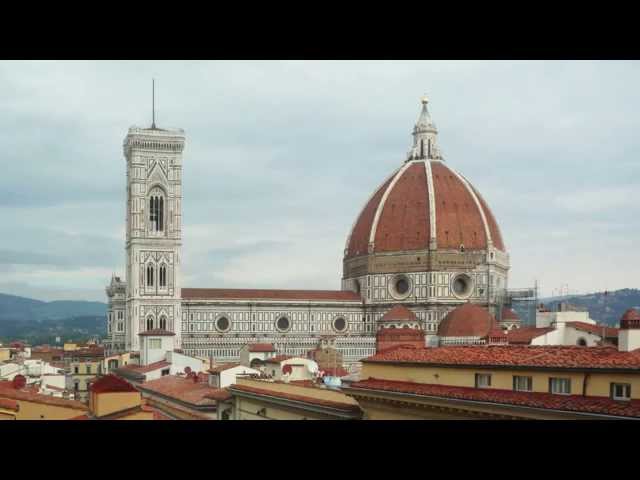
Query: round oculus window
462	285
222	323
283	323
339	324
402	286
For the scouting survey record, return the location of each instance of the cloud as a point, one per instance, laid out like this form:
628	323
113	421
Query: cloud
281	157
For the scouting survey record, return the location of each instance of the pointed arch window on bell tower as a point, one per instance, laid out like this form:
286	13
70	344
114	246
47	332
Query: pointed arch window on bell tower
156	210
162	276
149	275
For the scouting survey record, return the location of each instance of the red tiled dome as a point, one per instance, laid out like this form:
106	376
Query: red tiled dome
468	320
630	319
400	213
399	313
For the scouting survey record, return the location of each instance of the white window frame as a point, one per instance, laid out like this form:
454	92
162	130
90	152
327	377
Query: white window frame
556	386
517	386
626	396
480	380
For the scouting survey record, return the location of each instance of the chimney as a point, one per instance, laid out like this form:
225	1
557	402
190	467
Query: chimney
629	333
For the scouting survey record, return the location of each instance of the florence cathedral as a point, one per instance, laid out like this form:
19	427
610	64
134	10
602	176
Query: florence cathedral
424	240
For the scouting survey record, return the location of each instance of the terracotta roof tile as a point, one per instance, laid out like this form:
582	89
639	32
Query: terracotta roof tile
399	313
111	384
524	335
29	395
404	221
359	239
349	407
515	356
9	404
630	319
249	294
145	368
278	359
570	403
468	320
509	314
609	332
262	347
222	367
458	219
183	389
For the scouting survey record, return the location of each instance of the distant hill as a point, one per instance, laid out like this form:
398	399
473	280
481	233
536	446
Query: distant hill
603	308
20	308
39	322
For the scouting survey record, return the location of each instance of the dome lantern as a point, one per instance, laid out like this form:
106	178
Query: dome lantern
425	136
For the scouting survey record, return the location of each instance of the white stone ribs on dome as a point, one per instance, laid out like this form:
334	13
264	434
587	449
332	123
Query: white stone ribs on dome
487	231
346	247
383	200
433	241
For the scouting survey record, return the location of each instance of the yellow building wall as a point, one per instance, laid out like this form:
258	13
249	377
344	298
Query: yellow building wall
40	411
319	393
5	354
598	384
246	410
7	414
106	403
138	416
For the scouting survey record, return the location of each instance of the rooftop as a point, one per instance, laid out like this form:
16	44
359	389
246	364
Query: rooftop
298	393
263	294
222	367
262	347
524	335
278	358
29	395
549	401
609	332
184	389
399	313
518	356
111	384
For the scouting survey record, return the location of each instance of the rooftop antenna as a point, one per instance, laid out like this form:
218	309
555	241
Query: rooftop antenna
153	103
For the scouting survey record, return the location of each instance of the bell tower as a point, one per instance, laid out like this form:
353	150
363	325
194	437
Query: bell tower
153	231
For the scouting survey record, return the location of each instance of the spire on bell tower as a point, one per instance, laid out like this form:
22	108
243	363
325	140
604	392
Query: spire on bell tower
153	103
425	135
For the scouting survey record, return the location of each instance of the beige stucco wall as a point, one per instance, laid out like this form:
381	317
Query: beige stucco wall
107	403
39	411
246	410
598	384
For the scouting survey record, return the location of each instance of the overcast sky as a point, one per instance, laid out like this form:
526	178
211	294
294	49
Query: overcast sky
281	157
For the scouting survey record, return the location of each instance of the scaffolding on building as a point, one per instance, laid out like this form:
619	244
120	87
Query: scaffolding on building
523	301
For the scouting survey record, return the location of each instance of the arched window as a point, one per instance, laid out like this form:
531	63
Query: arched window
163	322
149	275
421	148
163	275
156	210
149	323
